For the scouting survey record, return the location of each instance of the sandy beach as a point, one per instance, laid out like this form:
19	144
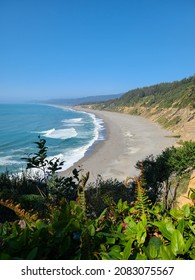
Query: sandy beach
128	139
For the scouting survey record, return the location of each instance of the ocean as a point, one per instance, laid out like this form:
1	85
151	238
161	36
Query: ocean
69	133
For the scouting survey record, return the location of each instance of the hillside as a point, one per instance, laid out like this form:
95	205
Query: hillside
172	105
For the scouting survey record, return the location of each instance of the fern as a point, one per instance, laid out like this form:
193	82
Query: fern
142	202
28	217
81	193
85	245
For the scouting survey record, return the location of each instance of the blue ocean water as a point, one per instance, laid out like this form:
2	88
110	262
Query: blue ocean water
69	133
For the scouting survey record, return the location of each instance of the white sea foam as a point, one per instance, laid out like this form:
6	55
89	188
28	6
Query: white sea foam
21	150
99	127
8	160
74	155
68	130
73	124
76	120
60	133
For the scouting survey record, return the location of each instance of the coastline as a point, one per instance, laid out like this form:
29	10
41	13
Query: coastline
128	139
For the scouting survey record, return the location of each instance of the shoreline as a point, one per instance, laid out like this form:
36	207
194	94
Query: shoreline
128	139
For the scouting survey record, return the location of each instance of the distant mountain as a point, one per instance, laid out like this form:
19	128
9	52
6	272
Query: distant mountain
82	100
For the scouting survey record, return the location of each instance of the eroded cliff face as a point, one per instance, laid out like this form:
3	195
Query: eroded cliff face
180	121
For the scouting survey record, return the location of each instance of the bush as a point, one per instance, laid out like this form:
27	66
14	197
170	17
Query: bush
123	232
159	172
131	225
105	193
32	201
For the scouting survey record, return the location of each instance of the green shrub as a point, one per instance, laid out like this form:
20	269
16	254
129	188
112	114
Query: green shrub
32	201
130	227
104	193
159	173
119	233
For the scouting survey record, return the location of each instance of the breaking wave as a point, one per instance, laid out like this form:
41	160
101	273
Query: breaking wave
59	133
8	160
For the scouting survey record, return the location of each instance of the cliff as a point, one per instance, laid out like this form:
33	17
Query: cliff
172	105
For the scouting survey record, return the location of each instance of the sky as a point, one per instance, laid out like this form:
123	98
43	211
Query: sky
77	48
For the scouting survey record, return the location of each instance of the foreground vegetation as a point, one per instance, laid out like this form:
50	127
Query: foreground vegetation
52	217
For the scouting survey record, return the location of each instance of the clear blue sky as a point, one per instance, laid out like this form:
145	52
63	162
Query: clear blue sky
73	48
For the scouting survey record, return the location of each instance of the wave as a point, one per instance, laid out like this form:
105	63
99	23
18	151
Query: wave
59	133
8	160
75	120
83	127
21	150
99	127
74	155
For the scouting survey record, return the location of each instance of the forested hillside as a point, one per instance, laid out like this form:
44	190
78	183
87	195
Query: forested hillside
164	95
170	104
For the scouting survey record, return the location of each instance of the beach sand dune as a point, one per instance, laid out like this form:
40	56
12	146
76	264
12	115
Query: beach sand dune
128	139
